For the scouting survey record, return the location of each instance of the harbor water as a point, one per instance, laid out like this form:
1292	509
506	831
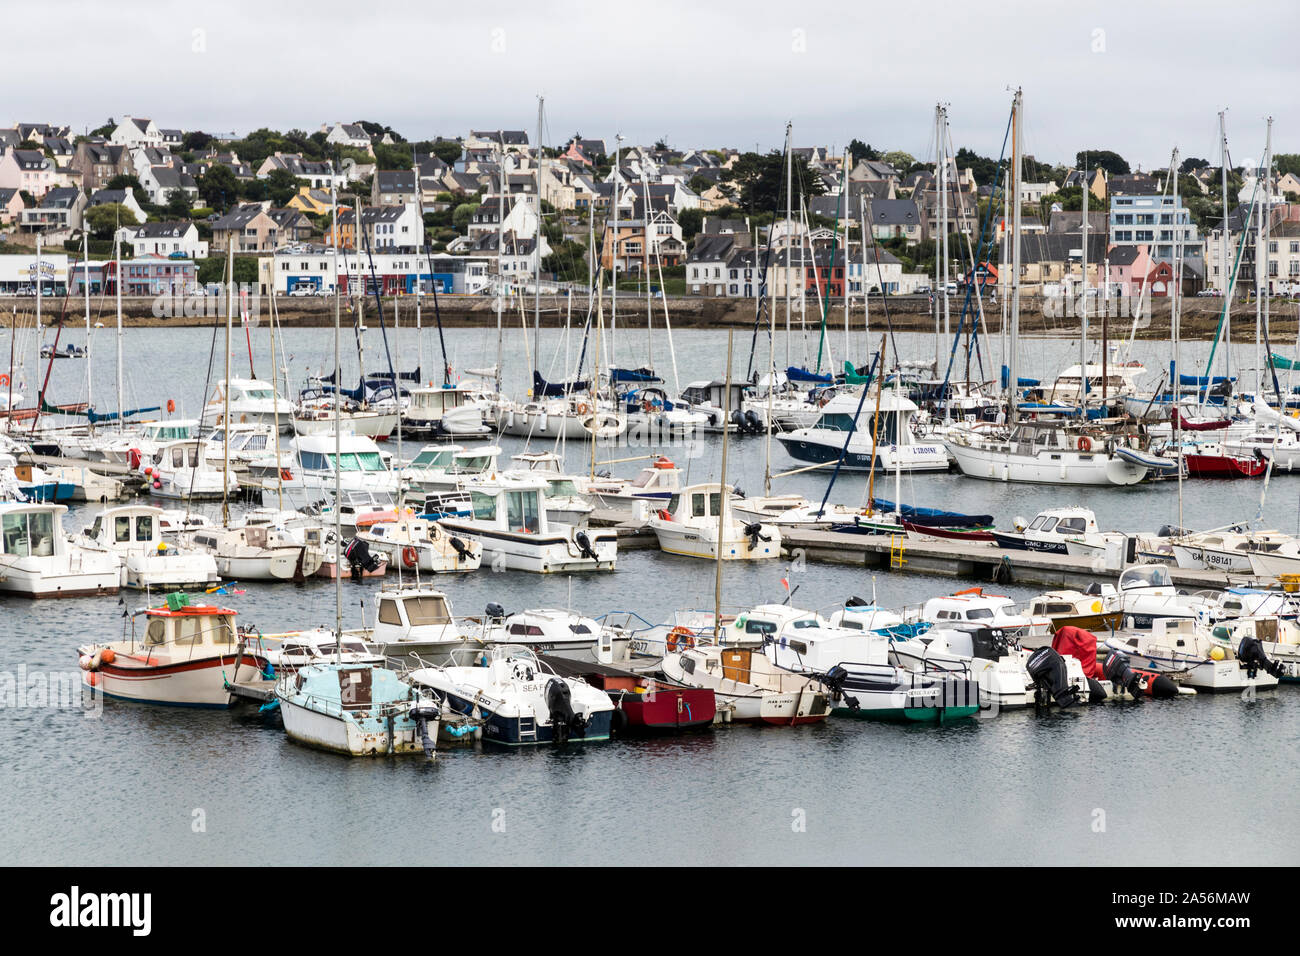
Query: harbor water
1201	780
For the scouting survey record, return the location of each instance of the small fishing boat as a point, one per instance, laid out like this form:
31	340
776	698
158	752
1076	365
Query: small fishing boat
255	552
133	533
1210	460
653	486
520	700
695	516
291	650
1069	608
860	439
416	544
983	654
643	705
181	470
412	624
357	709
37	559
555	632
1050	530
754	688
1190	654
188	655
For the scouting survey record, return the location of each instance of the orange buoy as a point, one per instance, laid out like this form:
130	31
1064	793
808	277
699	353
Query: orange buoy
1085	443
409	556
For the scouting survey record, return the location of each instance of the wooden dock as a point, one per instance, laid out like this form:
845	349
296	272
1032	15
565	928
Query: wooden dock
984	563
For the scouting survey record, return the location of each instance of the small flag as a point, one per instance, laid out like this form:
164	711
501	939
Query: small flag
785	583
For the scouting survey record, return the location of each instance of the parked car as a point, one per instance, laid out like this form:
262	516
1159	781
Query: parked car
302	290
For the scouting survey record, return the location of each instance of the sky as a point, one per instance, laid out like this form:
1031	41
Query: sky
1137	77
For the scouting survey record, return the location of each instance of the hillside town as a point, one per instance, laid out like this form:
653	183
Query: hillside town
487	210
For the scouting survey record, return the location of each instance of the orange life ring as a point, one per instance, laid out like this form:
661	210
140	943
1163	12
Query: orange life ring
4	379
582	408
171	406
678	638
979	591
821	402
410	556
286	474
664	515
1084	443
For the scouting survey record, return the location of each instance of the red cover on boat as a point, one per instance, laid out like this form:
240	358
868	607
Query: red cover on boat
1080	644
1198	425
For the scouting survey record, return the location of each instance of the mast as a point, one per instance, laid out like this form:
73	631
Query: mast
722	500
85	288
1262	293
943	213
613	288
501	248
419	284
645	271
117	286
338	449
537	243
1083	331
1223	251
1268	234
225	391
789	226
1018	122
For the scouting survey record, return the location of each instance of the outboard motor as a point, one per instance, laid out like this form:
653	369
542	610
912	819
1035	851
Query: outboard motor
1138	683
564	720
494	612
753	421
1047	670
754	532
424	710
856	601
583	541
1251	653
458	546
833	681
738	419
360	560
989	643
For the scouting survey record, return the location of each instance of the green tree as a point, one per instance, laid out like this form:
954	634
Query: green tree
461	216
760	180
1192	163
196	140
106	129
213	269
899	159
858	151
1287	163
691	221
984	168
1106	159
282	186
104	220
178	205
448	150
219	187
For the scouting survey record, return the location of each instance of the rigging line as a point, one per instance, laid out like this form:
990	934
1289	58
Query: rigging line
383	328
877	368
763	305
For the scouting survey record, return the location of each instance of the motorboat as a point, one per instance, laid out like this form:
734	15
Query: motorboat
188	655
37	559
750	685
510	522
554	632
444	411
446	467
252	401
700	522
133	533
420	545
1233	549
520	699
255	552
654	485
861	437
412	625
1190	654
289	651
181	470
1050	452
565	504
1050	531
357	709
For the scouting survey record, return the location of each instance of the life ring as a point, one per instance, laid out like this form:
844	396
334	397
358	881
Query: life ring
646	406
1084	443
662	462
582	408
4	379
410	556
286	474
678	638
171	406
664	515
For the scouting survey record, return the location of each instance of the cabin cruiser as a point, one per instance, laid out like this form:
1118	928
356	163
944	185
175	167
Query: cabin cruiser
863	680
653	485
315	415
1053	452
520	700
750	685
849	428
650	412
37	559
442	468
510	522
444	411
1279	638
181	470
1068	608
1051	530
188	655
251	401
572	417
288	651
985	654
247	442
128	446
710	400
695	516
565	504
1281	447
256	552
1115	381
412	624
554	632
1190	653
133	533
1234	550
420	545
973	607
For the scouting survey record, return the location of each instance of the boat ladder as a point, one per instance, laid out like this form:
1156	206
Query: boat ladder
528	728
897	550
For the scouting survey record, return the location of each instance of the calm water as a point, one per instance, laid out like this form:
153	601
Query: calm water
1199	780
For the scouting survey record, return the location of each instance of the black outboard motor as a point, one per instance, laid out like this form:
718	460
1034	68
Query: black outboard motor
583	542
424	710
753	421
564	721
359	558
1251	653
1139	684
738	419
833	681
753	531
1047	670
856	601
494	612
459	546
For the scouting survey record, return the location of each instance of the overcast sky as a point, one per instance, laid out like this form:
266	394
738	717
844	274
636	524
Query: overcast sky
1138	77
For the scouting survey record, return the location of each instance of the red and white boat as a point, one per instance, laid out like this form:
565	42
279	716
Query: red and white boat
186	655
1214	461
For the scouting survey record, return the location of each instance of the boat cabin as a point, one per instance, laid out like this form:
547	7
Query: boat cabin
186	629
511	504
1057	522
411	614
128	528
31	530
168	431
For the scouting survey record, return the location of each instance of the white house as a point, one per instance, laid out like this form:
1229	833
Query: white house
133	131
166	239
122	197
159	182
348	134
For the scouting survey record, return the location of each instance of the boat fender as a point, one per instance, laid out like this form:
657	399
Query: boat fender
584	545
618	721
84	662
1251	653
1046	668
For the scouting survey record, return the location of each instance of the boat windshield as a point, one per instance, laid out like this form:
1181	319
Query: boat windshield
1152	576
28	534
427	609
472	465
433	459
358	461
258	393
561	488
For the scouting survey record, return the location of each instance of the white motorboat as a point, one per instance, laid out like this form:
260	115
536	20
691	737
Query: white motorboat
315	416
251	401
510	522
290	650
554	632
654	485
520	700
307	475
1045	452
1238	551
412	624
134	534
255	552
38	560
700	522
357	709
884	441
181	470
416	544
444	411
564	502
446	467
747	682
1190	654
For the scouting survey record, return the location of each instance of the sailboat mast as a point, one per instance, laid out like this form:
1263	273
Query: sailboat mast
1267	218
419	284
85	288
338	449
225	391
613	257
537	243
501	249
117	286
1018	122
1223	251
789	227
1083	329
722	500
